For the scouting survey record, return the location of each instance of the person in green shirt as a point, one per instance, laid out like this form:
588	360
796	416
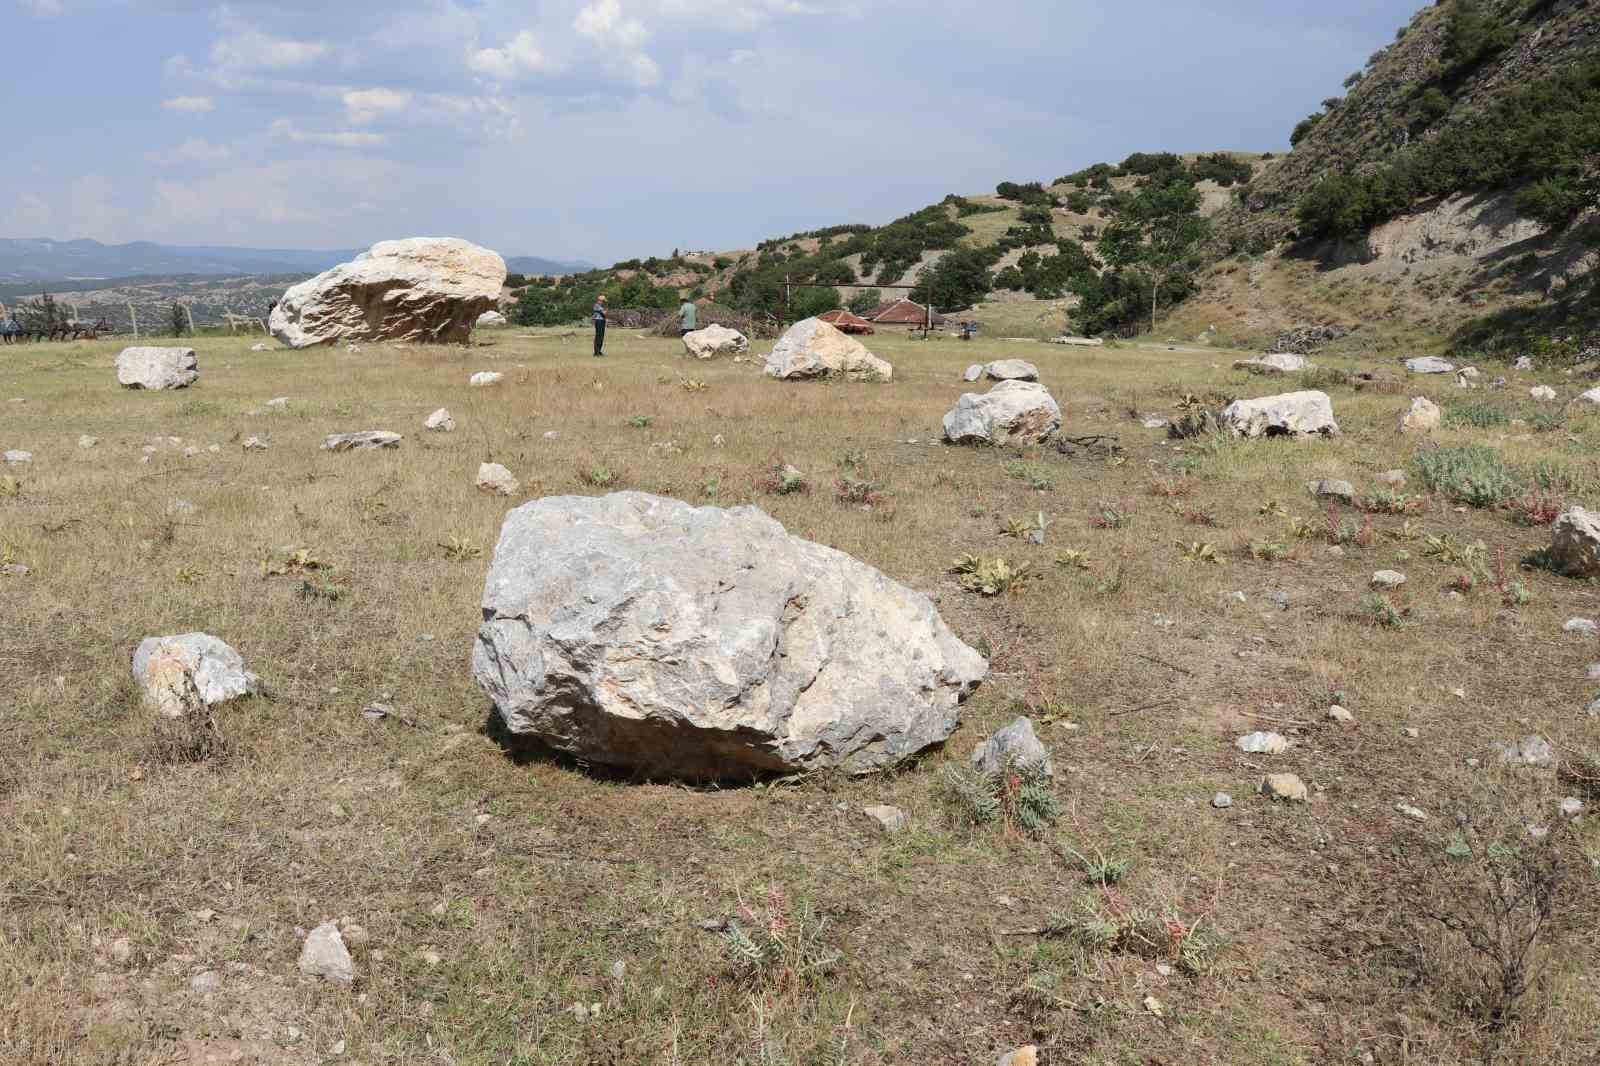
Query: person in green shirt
687	316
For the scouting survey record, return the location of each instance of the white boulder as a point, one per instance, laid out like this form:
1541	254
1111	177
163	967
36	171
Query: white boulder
1291	414
190	672
973	372
491	320
492	477
813	348
440	421
1423	416
715	340
1011	370
1592	397
18	456
642	632
157	368
1575	543
1543	393
1430	364
1274	363
426	289
324	955
485	378
1022	411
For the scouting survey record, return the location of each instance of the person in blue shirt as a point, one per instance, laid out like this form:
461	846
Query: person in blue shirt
600	326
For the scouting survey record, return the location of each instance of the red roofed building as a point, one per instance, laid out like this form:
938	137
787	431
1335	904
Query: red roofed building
846	322
902	312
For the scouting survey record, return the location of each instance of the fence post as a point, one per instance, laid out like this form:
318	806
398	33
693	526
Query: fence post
133	317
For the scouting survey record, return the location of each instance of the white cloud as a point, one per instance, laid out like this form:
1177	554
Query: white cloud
520	56
251	49
366	105
193	104
337	139
200	150
621	40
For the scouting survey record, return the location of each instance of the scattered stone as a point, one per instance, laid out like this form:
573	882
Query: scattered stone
1393	478
179	507
157	368
1285	787
637	631
1585	627
1522	363
1571	807
363	441
1012	411
1430	364
1543	393
1291	414
1416	814
15	569
121	950
1411	733
1154	1006
1016	743
1529	751
1262	743
254	444
277	401
492	477
619	970
1575	546
440	421
813	348
484	378
1155	423
1274	363
1222	801
17	457
715	340
1279	598
889	819
1332	488
1338	714
1027	1055
423	289
86	442
1423	416
1011	370
1388	579
1079	342
491	320
324	955
261	346
973	372
190	672
1590	397
205	983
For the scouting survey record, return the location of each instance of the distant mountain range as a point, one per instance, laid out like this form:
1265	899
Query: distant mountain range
44	260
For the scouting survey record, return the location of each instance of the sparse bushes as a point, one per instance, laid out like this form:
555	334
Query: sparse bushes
989	577
1473	475
1018	797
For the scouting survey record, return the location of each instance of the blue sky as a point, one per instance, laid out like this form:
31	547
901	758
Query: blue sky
605	129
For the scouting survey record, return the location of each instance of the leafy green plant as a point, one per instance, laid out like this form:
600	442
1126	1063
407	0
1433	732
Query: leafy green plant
1390	501
1109	516
1073	559
1452	552
1199	552
321	587
777	943
1268	551
640	421
1475	413
783	480
989	577
1108	922
1473	475
598	476
1100	869
1385	611
859	491
1018	796
1035	475
459	549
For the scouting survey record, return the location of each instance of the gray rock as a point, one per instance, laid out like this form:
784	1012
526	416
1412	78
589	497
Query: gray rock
1015	743
1529	751
1543	393
1011	370
1279	598
491	320
157	368
254	444
973	372
1222	801
715	340
1333	489
1584	627
1430	364
1287	788
1416	814
1155	423
365	440
1020	411
423	289
86	442
641	632
205	983
1262	743
189	672
1338	714
1274	363
1592	397
1575	544
277	401
889	819
324	955
1388	579
492	477
1290	414
1522	363
813	348
1571	807
1423	416
17	457
1594	709
440	421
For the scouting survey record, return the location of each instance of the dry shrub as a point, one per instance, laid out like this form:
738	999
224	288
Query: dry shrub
193	738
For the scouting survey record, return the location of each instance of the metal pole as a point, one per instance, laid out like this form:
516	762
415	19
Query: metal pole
133	316
785	300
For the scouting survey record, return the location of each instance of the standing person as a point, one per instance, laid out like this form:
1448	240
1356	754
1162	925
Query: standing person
687	315
600	326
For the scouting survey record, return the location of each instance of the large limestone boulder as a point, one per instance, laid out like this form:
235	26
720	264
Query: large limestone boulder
1423	416
1430	364
1275	363
715	340
645	633
1575	544
492	320
430	289
1290	414
157	368
190	672
813	348
1022	411
1011	370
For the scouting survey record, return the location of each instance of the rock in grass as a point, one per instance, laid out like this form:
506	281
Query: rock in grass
1584	627
1571	807
1291	414
813	349
1021	412
491	320
324	955
366	440
1287	788
254	444
1543	393
1338	714
889	819
1333	489
1416	814
1388	579
485	378
1522	363
1011	370
1529	751
86	442
182	674
1423	416
1222	801
1027	1055
492	477
713	341
1016	743
641	632
973	372
1430	364
1592	397
440	421
17	457
1262	743
1575	544
157	368
1274	363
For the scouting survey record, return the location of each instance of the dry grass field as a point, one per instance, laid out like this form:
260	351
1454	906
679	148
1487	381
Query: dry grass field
1187	593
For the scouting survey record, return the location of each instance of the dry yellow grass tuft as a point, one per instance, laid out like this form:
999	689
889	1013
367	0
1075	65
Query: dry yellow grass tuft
497	892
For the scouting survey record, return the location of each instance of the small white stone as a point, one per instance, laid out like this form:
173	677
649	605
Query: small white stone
324	955
485	377
1222	801
1338	714
1572	806
1262	743
1587	627
1388	579
1411	734
206	982
18	456
1416	814
86	442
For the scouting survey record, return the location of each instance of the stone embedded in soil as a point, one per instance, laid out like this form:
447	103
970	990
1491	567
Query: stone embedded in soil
1285	787
1222	801
1529	751
325	955
889	819
1584	627
1340	715
1262	743
1416	814
1016	743
1388	579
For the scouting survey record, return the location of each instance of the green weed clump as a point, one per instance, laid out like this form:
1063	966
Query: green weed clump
1476	414
1473	475
1017	796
